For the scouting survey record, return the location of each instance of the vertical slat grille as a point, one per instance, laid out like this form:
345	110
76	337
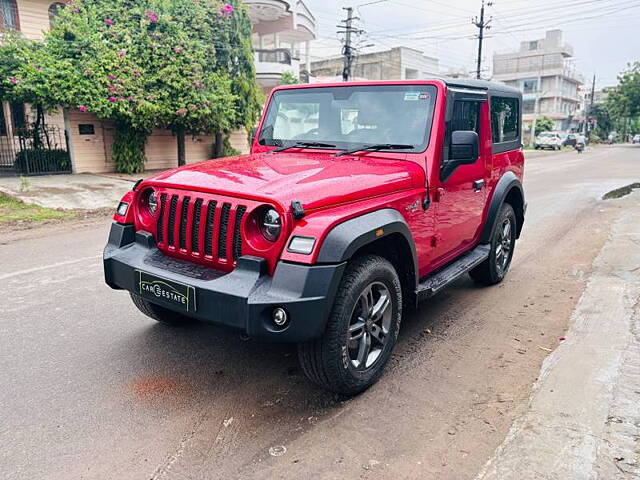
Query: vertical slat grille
195	230
222	233
184	218
160	224
237	236
208	231
172	219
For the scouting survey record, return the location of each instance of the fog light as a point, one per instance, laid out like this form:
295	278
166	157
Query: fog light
122	209
280	317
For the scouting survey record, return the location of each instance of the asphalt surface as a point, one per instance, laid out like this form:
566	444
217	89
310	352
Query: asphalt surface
93	389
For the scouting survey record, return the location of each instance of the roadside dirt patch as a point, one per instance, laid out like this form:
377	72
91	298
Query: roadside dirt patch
150	389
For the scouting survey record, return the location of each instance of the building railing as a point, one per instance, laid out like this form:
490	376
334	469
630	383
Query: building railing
275	55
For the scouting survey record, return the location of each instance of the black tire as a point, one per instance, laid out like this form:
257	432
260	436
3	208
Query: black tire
494	268
328	360
158	313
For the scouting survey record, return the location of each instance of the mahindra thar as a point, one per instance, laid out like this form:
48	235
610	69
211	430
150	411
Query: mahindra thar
357	201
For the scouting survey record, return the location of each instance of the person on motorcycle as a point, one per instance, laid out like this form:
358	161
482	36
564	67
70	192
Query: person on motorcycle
580	143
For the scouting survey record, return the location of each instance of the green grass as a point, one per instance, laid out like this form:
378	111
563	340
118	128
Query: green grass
13	210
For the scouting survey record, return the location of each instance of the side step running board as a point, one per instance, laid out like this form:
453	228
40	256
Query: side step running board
436	282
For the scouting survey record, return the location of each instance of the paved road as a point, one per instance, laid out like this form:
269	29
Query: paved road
94	390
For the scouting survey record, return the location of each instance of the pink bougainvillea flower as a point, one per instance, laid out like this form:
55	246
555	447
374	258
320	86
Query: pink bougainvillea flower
130	98
122	53
108	21
111	77
113	99
14	80
226	10
151	16
82	108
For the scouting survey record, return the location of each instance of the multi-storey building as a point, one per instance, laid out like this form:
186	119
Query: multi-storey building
543	70
399	63
280	28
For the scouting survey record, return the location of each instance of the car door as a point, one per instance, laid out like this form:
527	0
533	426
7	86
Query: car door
462	194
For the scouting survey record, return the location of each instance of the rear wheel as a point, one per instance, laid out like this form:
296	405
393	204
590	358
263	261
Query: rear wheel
158	313
503	239
361	331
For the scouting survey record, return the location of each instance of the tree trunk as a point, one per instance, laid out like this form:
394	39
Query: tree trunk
182	155
219	150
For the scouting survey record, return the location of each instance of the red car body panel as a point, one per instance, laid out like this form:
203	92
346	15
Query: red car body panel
334	189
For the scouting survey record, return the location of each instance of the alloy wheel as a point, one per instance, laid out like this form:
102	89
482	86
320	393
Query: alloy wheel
504	244
369	326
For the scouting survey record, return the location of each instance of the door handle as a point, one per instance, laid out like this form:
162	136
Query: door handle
477	185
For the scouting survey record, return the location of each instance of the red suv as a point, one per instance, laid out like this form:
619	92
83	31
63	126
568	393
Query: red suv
357	201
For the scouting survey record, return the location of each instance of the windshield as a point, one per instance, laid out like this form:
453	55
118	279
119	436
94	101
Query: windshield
351	116
547	135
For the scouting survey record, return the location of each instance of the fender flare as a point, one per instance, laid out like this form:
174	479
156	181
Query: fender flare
342	242
508	182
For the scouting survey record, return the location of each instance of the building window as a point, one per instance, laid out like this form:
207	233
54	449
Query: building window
504	119
18	118
3	122
533	45
530	85
528	106
9	15
54	10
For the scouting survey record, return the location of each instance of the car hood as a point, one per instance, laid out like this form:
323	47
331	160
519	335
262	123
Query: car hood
315	179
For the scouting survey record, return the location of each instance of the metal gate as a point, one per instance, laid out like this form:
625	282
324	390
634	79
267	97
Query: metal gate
35	150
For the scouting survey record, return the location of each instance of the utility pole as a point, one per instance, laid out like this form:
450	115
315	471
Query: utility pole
347	49
593	92
482	25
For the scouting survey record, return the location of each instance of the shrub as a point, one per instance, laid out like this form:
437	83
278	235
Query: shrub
42	160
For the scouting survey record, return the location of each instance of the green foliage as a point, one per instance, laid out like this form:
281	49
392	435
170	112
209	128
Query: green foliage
624	100
159	63
603	120
227	149
543	124
13	210
128	149
288	78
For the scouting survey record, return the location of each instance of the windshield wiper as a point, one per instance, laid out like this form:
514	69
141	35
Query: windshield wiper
302	145
372	148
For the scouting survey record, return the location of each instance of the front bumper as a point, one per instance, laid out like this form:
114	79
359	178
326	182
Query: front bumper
243	299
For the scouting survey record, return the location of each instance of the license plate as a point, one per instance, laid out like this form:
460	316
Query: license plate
167	292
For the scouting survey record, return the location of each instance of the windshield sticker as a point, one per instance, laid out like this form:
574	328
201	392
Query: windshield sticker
425	96
411	96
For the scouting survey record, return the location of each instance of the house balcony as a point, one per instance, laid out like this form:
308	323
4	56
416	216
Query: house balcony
280	28
272	63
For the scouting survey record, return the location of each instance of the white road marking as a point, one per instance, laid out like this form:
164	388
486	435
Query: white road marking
47	267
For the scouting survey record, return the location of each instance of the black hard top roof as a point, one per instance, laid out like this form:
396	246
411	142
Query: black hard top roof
481	85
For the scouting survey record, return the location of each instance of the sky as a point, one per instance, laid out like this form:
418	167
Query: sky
604	33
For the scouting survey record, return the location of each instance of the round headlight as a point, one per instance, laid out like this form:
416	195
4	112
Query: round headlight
152	202
270	225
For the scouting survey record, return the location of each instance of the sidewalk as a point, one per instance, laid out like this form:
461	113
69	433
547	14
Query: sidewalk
583	419
81	191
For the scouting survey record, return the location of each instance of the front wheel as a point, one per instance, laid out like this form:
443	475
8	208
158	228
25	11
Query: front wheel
503	239
361	331
158	313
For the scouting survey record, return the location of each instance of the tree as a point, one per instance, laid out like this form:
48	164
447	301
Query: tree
288	78
623	101
543	124
186	65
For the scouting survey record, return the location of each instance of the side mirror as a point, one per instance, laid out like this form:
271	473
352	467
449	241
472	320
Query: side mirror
464	147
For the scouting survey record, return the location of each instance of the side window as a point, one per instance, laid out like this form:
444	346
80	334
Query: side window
504	119
466	116
18	117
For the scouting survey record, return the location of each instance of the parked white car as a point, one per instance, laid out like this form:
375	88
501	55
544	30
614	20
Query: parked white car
550	140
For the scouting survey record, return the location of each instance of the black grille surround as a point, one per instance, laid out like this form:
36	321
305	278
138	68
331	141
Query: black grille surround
202	227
